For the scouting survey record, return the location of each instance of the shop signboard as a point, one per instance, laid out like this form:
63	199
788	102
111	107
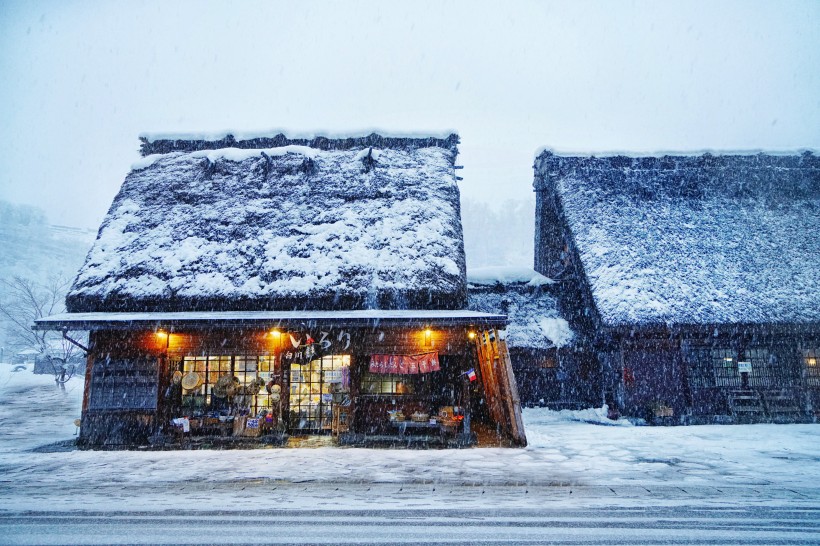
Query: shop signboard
404	364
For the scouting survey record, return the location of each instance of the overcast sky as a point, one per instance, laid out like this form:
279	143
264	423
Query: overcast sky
80	81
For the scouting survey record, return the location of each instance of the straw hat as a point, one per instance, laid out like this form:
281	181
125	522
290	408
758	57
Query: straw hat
191	381
226	386
177	377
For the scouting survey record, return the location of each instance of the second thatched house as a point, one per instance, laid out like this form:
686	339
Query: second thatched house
694	276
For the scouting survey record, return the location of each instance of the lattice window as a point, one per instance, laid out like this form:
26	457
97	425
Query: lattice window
124	383
701	373
811	360
386	383
245	367
724	365
765	370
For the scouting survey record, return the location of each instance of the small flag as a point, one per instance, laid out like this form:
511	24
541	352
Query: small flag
471	374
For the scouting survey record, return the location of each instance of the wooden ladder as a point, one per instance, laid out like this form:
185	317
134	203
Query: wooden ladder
747	403
782	404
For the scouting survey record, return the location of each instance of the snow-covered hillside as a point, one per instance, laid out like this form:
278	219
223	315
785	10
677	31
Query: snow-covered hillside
37	251
33	248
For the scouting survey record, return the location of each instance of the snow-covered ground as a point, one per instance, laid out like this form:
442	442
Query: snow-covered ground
576	459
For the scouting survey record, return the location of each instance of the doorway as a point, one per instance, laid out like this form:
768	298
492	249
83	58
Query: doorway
314	388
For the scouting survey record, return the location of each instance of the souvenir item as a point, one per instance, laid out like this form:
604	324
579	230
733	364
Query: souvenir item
226	386
191	381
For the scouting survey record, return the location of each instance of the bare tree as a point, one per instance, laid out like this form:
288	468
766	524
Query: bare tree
23	301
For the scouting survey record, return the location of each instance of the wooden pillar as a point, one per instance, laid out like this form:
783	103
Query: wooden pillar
488	377
89	369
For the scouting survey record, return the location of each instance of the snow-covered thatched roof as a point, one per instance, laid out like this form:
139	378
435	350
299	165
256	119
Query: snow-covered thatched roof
320	224
523	295
709	239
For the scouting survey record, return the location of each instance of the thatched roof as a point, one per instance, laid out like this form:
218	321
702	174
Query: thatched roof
526	298
348	226
710	239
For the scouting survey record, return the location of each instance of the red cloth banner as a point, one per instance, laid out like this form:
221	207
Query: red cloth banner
405	364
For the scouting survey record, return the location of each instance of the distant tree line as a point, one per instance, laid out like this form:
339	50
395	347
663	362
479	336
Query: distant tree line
498	235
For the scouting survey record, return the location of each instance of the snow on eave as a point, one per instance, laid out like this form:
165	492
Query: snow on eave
711	328
97	320
534	321
149	160
493	275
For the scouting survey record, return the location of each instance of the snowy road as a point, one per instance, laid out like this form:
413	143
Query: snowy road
262	511
249	495
758	525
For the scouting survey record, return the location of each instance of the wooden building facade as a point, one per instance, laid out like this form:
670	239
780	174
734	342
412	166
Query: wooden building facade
297	373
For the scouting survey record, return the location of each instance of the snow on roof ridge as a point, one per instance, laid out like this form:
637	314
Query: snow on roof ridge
241	154
163	144
151	136
675	153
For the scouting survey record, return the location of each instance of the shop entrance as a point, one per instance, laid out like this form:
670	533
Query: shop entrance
315	388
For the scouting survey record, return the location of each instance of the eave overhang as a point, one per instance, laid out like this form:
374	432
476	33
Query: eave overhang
268	319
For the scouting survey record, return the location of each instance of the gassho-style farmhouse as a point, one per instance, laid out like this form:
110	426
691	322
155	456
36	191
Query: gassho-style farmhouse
273	287
691	281
270	289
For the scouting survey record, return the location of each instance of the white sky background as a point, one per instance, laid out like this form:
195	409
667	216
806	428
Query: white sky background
80	81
